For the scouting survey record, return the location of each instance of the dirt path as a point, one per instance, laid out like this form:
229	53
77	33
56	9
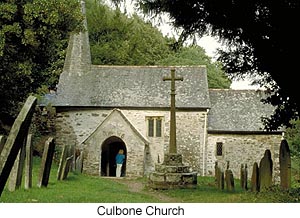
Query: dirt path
139	186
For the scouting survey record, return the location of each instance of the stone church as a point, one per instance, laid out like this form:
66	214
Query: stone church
101	109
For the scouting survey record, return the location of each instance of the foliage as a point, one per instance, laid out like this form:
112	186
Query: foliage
262	39
293	138
120	40
195	55
33	37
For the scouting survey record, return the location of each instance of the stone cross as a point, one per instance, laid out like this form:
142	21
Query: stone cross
173	78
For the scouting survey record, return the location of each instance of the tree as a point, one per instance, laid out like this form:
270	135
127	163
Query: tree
195	55
116	39
261	37
120	40
33	37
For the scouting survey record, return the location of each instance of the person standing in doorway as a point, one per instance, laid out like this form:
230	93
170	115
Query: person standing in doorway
119	161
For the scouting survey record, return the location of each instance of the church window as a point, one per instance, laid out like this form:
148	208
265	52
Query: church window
150	127
154	126
158	127
219	148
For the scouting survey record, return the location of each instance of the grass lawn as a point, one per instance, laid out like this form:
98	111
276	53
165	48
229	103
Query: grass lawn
80	188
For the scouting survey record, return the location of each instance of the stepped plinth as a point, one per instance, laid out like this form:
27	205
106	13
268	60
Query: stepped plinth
172	174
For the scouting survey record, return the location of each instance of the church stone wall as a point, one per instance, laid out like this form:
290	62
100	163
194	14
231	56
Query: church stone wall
75	126
242	149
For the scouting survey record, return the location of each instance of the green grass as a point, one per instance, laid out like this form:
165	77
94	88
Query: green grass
80	188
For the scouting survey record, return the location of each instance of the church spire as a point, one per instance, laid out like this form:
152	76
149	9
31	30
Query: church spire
78	57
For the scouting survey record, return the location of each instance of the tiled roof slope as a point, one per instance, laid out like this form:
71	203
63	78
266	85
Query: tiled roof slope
237	110
132	86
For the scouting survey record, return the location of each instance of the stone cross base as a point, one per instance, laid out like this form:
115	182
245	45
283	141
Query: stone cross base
172	174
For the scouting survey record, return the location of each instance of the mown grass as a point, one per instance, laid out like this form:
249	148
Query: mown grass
79	188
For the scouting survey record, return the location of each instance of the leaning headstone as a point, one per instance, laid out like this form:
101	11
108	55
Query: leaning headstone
265	171
28	162
67	167
2	141
15	140
255	178
285	165
62	160
79	163
16	174
46	162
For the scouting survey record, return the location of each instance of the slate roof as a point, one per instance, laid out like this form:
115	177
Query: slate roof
132	86
237	110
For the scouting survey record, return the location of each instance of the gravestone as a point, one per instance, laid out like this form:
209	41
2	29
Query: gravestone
62	161
265	171
242	177
285	165
172	173
222	180
255	178
2	141
79	163
28	162
245	177
15	140
217	178
16	174
66	167
46	162
229	180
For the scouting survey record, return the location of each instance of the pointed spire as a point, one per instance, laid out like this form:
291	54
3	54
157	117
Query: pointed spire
78	57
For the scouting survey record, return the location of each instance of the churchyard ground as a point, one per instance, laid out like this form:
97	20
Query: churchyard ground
80	188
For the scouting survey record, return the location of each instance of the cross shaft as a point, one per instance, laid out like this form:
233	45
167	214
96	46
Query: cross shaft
173	78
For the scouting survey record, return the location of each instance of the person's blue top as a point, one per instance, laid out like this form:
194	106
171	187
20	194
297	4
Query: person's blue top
120	158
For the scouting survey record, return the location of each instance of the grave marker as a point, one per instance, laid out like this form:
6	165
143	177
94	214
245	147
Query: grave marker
15	140
16	174
28	162
255	178
46	162
265	171
285	165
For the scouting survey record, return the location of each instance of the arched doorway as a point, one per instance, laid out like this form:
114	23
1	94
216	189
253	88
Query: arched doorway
109	150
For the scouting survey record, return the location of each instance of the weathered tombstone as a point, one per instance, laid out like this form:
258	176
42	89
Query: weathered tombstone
265	171
67	167
285	165
255	178
242	177
245	187
217	178
15	140
79	163
222	180
16	174
62	160
2	141
28	162
46	162
229	180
